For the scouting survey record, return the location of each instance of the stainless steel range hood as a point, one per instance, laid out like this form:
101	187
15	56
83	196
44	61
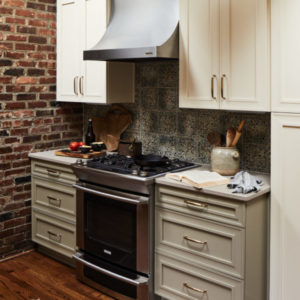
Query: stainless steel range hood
139	30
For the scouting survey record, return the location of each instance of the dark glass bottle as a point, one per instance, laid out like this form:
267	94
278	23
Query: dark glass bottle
90	136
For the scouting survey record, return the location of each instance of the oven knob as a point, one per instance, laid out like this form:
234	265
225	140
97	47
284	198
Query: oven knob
79	162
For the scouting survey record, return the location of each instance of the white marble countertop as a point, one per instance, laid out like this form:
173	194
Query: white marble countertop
220	190
51	157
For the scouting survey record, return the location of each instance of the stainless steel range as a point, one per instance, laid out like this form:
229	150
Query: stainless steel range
115	222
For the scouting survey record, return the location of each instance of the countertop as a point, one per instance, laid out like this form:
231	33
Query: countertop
51	157
220	190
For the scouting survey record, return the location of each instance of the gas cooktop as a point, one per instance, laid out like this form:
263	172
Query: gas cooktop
144	166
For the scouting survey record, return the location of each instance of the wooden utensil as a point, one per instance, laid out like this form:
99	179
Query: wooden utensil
238	133
230	135
214	138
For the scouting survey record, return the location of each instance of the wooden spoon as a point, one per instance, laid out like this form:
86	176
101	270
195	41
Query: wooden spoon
230	136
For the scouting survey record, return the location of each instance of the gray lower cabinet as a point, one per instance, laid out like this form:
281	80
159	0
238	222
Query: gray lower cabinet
209	247
54	209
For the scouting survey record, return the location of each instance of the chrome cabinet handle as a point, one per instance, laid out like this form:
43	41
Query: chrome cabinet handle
195	241
202	205
53	173
54	201
194	289
54	236
75	85
222	87
213	78
81	85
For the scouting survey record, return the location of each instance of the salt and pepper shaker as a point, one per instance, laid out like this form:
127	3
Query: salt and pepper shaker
90	136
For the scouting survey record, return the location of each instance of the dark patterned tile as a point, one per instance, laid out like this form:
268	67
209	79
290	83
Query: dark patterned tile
168	98
204	151
167	146
186	149
149	122
150	143
168	74
188	123
167	123
149	99
150	75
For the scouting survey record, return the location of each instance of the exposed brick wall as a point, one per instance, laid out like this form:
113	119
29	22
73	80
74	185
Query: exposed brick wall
30	119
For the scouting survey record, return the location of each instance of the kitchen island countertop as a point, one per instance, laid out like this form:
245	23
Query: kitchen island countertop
220	190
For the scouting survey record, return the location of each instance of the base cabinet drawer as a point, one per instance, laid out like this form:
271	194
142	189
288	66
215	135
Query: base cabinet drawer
201	205
54	234
200	242
55	198
52	171
175	280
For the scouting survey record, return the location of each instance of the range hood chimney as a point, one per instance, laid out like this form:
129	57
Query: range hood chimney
139	30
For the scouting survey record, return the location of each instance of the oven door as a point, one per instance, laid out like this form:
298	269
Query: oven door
113	226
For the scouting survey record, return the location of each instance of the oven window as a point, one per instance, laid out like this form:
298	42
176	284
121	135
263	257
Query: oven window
110	227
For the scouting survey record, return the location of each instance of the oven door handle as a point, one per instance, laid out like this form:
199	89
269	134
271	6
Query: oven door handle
139	281
139	200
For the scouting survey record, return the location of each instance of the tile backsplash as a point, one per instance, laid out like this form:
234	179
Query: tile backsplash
165	129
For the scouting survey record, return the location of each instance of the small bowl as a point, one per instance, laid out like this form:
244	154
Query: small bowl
85	149
98	146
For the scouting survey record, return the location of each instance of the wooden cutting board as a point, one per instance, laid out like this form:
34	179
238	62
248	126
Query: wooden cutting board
78	154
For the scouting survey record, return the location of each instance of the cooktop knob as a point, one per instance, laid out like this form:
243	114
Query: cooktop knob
79	162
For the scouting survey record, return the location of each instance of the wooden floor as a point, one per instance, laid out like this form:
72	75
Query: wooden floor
34	276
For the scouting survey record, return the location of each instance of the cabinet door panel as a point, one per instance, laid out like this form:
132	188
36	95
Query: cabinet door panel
285	207
244	55
285	55
199	47
68	49
94	80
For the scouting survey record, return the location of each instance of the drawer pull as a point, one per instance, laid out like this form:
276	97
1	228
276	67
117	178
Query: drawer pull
194	289
195	241
54	236
53	172
54	201
202	205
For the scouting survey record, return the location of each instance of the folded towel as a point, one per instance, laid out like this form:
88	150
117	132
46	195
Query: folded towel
244	183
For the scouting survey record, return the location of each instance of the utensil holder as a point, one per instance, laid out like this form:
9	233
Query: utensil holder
225	160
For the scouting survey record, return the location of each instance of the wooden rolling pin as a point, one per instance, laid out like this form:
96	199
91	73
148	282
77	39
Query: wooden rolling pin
230	135
238	134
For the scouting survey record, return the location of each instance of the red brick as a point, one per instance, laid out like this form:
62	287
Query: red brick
22	148
15	3
38	89
6	124
5	80
47	64
11	140
21	163
47	32
37	55
16	38
15	172
39	104
23	113
14	55
13	223
24	47
15	88
46	16
15	105
25	13
6	46
19	131
38	23
23	63
15	20
26	80
6	11
24	29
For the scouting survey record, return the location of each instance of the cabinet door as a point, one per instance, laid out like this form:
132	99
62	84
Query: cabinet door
68	49
93	75
285	207
244	56
199	53
285	55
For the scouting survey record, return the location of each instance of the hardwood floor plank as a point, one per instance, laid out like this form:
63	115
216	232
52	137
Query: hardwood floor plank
35	276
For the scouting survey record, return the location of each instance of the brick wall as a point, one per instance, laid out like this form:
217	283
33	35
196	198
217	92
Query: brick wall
30	119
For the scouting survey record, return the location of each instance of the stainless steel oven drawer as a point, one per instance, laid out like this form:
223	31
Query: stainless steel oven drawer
200	242
55	198
201	205
177	281
53	233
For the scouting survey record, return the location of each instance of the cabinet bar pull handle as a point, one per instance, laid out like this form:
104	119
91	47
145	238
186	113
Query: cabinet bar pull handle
213	87
53	172
195	241
291	126
54	236
222	87
194	289
54	201
81	85
202	205
75	85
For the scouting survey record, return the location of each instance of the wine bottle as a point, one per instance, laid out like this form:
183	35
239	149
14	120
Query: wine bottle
90	136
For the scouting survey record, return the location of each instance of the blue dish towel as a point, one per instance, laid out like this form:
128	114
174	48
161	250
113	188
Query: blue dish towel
244	183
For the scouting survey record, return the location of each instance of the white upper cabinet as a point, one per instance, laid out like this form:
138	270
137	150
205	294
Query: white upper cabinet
80	25
285	55
224	54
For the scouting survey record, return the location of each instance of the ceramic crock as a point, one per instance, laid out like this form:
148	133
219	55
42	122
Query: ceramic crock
225	160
